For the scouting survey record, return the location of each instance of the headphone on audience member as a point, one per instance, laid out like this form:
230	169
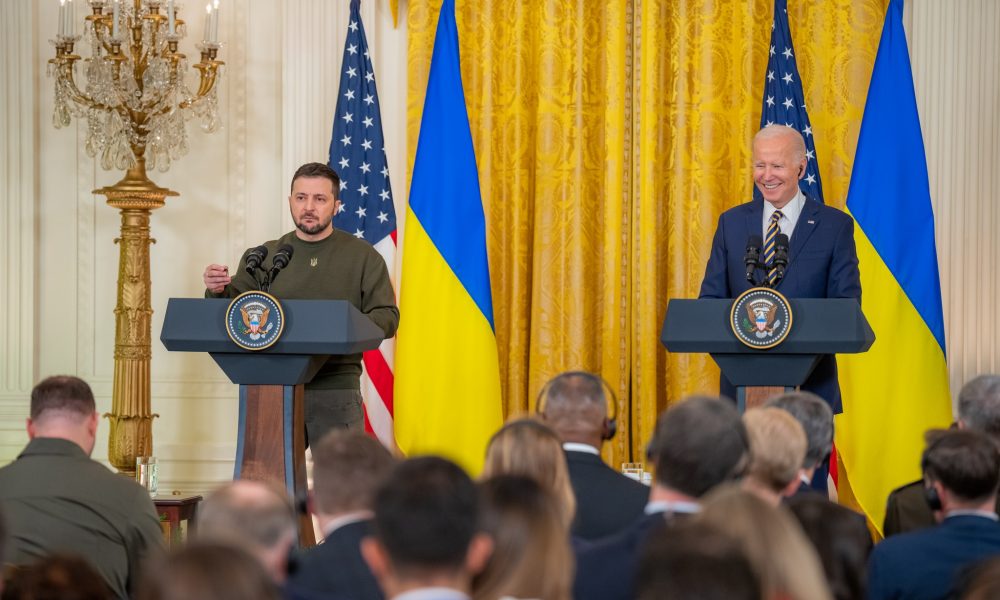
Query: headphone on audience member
610	426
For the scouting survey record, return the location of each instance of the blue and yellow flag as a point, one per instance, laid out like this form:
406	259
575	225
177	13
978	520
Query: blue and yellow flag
447	371
899	388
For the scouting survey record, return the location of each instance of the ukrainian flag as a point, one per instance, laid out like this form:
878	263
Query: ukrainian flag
899	388
447	372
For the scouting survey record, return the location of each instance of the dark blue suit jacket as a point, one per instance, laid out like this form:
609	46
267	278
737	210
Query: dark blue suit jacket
335	568
606	501
822	263
924	565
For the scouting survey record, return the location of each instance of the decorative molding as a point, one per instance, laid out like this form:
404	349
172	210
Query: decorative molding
18	190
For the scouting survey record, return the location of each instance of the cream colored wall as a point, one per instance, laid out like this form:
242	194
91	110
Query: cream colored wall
58	265
955	52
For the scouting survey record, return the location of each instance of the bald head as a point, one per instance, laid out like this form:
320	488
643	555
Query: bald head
252	515
575	407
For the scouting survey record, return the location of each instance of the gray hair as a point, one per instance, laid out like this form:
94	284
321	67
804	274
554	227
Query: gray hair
816	418
246	512
979	405
775	131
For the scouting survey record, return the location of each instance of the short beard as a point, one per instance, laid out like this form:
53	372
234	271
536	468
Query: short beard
317	228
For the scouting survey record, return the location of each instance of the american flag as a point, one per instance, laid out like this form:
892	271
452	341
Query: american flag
784	102
357	154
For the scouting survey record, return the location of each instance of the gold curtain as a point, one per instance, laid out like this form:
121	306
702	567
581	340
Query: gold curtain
609	137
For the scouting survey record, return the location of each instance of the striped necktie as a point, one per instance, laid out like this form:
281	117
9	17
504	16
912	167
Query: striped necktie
772	232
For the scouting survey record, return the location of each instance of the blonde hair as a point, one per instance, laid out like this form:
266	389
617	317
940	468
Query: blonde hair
528	447
777	446
779	551
531	552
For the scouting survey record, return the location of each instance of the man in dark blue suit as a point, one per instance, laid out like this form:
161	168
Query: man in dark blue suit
348	466
822	259
698	444
575	406
961	474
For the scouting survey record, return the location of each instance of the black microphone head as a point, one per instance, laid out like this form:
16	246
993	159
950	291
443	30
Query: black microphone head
282	257
754	242
256	257
781	241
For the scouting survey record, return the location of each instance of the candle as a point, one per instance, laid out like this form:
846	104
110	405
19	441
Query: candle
208	23
170	17
62	18
70	25
114	21
215	21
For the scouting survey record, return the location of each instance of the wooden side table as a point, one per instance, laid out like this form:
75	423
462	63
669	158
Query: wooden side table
177	515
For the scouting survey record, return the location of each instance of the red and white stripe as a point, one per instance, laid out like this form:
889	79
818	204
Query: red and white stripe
376	377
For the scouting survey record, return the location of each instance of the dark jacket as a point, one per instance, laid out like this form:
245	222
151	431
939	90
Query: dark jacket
606	501
335	567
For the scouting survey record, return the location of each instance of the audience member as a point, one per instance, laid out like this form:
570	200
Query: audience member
978	409
574	405
779	552
696	562
961	473
841	541
427	541
348	466
528	447
203	571
531	553
58	500
981	582
814	415
777	450
255	516
57	577
698	444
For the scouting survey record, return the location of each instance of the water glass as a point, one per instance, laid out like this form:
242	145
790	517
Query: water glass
147	473
633	470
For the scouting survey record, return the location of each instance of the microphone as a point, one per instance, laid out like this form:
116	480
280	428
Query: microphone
752	258
780	256
255	258
282	257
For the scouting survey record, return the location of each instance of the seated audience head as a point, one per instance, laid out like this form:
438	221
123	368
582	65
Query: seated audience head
57	576
698	444
979	405
426	528
528	447
961	470
531	552
348	466
254	515
697	561
981	582
575	406
63	406
777	449
841	540
814	415
779	552
207	571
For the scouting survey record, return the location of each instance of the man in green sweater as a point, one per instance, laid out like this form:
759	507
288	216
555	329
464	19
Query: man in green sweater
327	264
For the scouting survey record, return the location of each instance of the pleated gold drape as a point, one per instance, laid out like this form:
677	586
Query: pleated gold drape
610	135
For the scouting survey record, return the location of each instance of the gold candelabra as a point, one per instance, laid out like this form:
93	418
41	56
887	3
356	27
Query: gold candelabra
136	103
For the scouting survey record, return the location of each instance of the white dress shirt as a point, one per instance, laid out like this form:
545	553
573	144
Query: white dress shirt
789	214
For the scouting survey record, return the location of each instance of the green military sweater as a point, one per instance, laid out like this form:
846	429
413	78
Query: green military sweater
339	267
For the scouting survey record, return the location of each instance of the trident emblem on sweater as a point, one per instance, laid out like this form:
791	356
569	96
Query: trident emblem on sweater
313	262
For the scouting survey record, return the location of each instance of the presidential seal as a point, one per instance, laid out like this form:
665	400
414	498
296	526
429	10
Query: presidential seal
254	320
761	318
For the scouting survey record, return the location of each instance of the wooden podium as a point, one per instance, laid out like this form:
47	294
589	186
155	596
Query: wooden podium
271	442
821	326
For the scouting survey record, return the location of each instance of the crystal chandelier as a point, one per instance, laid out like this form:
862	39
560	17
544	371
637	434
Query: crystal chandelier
136	104
135	99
